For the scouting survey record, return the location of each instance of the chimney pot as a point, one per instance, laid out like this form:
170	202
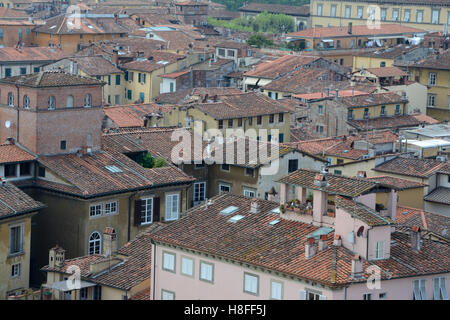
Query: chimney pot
415	238
310	249
323	242
337	240
254	206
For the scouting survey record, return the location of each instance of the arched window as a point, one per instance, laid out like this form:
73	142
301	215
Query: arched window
10	99
88	100
26	102
51	103
95	242
69	102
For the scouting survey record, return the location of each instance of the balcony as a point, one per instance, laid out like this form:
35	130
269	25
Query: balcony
303	211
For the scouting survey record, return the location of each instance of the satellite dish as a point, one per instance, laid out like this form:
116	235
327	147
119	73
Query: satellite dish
7	123
360	231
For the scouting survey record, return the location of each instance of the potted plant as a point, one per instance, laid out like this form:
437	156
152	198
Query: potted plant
282	209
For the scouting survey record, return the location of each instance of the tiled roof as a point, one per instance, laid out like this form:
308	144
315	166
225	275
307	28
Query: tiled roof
389	53
421	168
281	66
88	176
142	295
436	61
51	78
322	95
10	153
439	195
423	118
281	247
387	72
155	60
174	75
14	201
436	223
232	45
357	30
299	134
95	65
242	105
30	54
12	13
397	183
362	212
132	115
336	184
374	99
388	122
277	9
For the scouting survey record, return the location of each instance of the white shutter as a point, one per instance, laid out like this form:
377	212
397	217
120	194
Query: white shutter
416	290
321	297
443	289
423	291
169	261
436	289
187	266
302	294
276	290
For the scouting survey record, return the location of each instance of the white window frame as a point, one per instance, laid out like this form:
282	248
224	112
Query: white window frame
166	263
97	206
359	12
51	103
333	10
367	295
21	227
184	260
10	99
164	294
319	9
224	185
379	250
201	274
247	289
15	270
247	192
272	282
144	210
440	289
88	100
407	15
395	14
431	100
172	216
99	240
26	102
419	14
201	196
419	289
433	21
432	78
383	14
348	11
111	204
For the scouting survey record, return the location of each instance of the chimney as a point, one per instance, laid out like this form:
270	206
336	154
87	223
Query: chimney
115	57
56	257
337	240
254	206
323	242
357	267
415	238
362	174
272	195
350	28
320	180
109	241
310	248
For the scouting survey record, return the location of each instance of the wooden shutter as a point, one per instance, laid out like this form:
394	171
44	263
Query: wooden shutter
156	209
137	212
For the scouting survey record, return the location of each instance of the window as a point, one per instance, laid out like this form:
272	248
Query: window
338	172
394	14
10	99
366	113
419	289
397	109
224	188
251	283
97	293
63	145
41	171
239	122
281	117
167	295
172	207
432	78
187	266
406	15
382	296
51	103
225	167
206	271
320	110
10	170
250	121
271	118
109	79
259	120
88	100
333	10
435	17
84	293
26	102
117	79
15	270
276	290
16	239
199	191
7	72
249	193
69	102
117	99
25	169
348	11
371	16
350	114
367	296
168	261
222	52
319	129
230	123
131	75
319	9
139	77
142	96
1	33
379	250
383	111
20	33
95	242
431	100
95	210
309	295
292	165
249	172
23	70
220	124
360	13
269	137
146	210
383	14
439	289
419	16
230	53
111	207
281	137
171	87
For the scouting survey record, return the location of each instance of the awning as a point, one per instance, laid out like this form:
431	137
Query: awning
386	37
69	285
251	81
327	40
263	82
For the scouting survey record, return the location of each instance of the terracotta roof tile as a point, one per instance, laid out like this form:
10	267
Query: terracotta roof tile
435	223
281	66
439	195
132	115
421	168
14	201
51	78
10	153
397	183
31	54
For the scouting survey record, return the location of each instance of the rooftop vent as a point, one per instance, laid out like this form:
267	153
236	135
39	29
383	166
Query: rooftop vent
229	210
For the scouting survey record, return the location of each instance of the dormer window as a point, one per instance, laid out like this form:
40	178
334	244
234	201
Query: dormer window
88	100
26	102
51	103
10	99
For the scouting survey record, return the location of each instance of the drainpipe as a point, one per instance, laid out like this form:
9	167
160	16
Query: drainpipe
18	114
129	216
154	268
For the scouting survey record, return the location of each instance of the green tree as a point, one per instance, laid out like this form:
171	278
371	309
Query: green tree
260	41
147	161
159	162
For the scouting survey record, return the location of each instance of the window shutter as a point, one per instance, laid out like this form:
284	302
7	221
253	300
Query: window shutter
137	212
423	291
321	297
302	294
436	289
443	288
156	209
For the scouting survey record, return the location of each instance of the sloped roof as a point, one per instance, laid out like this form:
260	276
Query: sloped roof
14	201
280	66
421	168
31	54
51	78
10	153
132	115
95	65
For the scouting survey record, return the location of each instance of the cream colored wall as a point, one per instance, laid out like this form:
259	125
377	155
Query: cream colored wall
374	111
370	62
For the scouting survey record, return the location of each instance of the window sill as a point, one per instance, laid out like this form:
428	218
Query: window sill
17	254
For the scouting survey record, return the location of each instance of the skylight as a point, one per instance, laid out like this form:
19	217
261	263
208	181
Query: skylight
229	210
276	210
274	222
162	62
236	218
113	169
